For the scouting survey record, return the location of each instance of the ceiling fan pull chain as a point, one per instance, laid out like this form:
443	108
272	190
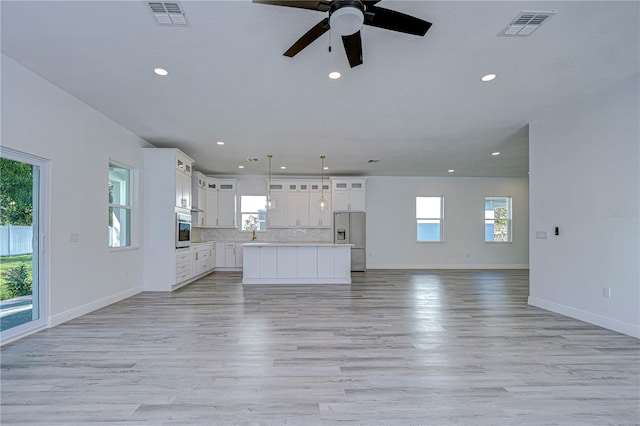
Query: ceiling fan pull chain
329	41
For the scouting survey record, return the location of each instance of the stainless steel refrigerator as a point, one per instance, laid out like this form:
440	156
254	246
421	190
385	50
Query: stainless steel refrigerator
351	228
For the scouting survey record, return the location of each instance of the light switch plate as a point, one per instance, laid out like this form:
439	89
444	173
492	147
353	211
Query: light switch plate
542	235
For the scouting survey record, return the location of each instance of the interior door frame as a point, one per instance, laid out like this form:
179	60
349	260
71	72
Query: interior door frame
43	302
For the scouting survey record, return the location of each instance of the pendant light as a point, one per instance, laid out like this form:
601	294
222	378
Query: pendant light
270	203
322	202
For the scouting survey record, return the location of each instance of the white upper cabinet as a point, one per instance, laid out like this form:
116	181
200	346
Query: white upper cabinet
198	198
297	204
220	206
227	203
277	216
348	194
183	180
319	218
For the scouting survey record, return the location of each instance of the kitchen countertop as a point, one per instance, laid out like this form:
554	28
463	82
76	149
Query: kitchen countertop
293	244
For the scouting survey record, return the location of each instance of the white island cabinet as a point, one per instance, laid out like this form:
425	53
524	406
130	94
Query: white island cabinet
296	263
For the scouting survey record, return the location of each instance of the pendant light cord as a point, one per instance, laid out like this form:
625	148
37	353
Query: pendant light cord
269	183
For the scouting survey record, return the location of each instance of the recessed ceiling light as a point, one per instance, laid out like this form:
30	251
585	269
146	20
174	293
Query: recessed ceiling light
325	168
495	153
451	170
283	167
161	71
488	77
220	143
334	75
241	167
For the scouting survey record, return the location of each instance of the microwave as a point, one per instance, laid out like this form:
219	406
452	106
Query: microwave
183	230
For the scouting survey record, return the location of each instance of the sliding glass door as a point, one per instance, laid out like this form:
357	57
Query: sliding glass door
22	291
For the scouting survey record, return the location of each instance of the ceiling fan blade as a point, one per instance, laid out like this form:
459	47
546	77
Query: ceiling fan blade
308	38
353	48
322	6
395	21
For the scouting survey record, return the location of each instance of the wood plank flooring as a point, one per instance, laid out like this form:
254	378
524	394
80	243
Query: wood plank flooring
394	348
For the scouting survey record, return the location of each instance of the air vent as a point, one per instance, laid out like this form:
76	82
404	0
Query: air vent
168	13
373	161
526	23
252	160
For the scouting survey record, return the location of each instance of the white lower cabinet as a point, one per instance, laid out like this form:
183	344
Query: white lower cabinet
202	256
220	255
260	263
330	265
194	262
184	265
239	254
228	255
296	263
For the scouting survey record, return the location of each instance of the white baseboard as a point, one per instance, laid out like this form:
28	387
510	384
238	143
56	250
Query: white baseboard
448	266
591	318
92	306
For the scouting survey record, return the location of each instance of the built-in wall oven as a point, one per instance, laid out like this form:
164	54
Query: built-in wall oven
183	230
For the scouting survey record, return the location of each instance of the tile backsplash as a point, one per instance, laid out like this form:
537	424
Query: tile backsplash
315	235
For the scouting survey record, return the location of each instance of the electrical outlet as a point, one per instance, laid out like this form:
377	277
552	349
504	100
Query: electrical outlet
606	292
74	237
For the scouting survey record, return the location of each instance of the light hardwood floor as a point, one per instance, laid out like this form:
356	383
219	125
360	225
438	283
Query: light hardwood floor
394	348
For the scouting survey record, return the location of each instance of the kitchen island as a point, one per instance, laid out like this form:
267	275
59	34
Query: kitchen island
296	263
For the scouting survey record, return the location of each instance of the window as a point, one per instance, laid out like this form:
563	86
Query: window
253	212
429	214
24	217
119	205
497	219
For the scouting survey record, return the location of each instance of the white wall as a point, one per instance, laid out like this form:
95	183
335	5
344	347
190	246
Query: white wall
40	119
585	162
391	223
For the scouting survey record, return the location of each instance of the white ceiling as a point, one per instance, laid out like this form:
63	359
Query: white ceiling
417	103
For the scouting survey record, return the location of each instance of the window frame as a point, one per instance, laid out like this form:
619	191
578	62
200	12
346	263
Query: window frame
242	213
130	206
440	219
508	219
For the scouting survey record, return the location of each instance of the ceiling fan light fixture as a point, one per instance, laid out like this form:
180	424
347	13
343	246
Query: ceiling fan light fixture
347	20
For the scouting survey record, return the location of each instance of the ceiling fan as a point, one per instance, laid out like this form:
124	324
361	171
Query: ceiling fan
346	17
